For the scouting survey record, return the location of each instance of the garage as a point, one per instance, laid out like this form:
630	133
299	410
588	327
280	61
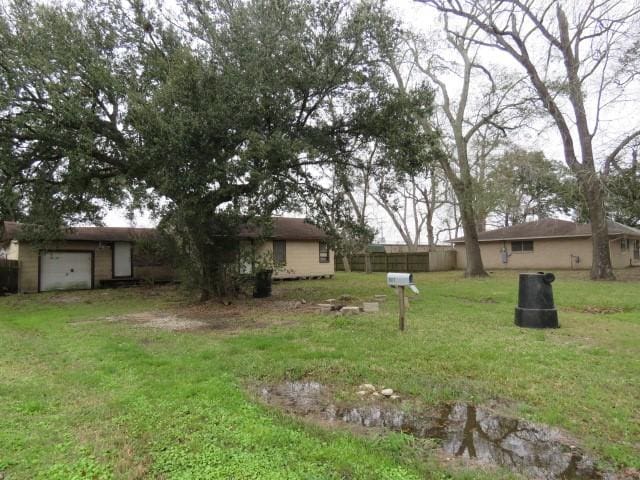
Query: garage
60	270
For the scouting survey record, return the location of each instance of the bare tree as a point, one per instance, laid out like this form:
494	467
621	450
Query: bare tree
336	202
356	184
433	192
408	183
411	203
570	59
473	118
451	223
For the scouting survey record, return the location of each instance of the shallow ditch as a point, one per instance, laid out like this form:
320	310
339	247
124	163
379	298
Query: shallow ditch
466	431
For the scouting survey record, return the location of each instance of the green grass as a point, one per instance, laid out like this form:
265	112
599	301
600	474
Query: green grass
99	399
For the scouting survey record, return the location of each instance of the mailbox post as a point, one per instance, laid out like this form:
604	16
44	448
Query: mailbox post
399	281
402	306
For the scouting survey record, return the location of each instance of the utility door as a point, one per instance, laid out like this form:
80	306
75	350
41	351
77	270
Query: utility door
122	260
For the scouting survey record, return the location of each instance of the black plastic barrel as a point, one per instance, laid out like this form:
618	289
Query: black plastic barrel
262	288
535	301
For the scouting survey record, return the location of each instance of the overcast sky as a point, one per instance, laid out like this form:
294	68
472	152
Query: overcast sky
425	19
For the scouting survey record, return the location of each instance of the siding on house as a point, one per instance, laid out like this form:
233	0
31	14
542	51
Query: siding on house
13	250
303	258
556	243
547	254
623	258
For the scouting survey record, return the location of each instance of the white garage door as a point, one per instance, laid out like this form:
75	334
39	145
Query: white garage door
65	271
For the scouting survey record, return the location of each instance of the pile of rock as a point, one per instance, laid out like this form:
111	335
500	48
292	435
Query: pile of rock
369	390
338	306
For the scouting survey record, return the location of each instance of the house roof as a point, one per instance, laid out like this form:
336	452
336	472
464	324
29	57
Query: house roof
94	234
285	228
549	228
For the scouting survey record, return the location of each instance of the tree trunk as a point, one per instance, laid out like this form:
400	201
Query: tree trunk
205	294
601	268
346	264
463	189
431	239
474	267
367	262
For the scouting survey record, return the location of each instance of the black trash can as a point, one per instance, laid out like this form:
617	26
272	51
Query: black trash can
535	301
262	288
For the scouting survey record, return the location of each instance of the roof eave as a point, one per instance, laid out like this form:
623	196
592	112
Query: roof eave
504	239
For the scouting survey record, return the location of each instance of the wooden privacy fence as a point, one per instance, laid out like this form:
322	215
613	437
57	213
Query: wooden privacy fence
8	276
402	262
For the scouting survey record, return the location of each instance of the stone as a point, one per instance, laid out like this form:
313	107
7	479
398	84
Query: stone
380	298
387	392
370	307
350	310
303	301
367	386
330	300
395	397
362	393
376	394
325	307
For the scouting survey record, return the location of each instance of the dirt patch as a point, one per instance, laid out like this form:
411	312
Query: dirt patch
473	433
237	315
247	307
159	320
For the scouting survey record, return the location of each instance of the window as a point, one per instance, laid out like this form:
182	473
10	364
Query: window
280	252
624	245
324	252
636	250
522	246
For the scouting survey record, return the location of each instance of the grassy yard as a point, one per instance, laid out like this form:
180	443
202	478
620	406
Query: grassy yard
82	396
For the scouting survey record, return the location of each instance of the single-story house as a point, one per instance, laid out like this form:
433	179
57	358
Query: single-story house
551	243
89	257
86	257
298	249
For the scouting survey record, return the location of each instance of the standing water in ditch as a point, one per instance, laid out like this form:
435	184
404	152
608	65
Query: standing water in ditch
466	431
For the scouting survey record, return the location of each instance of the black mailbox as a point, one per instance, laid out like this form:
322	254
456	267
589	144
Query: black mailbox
535	301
